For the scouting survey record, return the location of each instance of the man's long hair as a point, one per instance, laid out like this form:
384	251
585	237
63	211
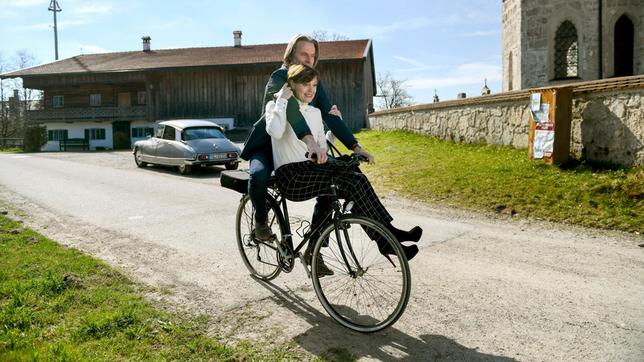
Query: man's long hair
292	45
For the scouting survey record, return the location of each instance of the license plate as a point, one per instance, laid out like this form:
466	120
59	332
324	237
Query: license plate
219	156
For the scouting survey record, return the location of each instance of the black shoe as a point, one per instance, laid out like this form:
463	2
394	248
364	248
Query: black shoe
262	232
323	270
410	251
412	235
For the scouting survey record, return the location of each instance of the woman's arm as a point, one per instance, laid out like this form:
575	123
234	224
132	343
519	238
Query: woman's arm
276	118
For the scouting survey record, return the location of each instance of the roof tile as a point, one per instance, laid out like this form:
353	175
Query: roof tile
187	57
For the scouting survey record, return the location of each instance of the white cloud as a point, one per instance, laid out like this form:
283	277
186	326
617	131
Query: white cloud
61	25
92	49
413	62
464	74
95	8
411	24
25	3
417	65
481	33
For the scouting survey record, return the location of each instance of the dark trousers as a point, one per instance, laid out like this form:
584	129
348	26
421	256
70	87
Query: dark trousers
304	180
260	169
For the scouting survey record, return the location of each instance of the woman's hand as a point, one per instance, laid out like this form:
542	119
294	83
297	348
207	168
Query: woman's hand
313	147
285	92
335	111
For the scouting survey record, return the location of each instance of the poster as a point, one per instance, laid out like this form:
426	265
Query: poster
544	140
535	102
542	115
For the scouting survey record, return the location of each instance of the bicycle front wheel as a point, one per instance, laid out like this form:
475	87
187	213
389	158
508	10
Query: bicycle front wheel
262	258
368	291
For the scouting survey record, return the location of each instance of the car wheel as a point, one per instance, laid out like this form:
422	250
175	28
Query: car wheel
232	166
185	169
137	159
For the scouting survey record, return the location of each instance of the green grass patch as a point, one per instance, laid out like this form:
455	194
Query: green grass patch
59	304
502	179
11	150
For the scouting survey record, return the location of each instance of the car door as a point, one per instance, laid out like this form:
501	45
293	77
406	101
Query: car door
168	152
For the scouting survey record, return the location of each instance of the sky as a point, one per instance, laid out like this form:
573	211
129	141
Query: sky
449	46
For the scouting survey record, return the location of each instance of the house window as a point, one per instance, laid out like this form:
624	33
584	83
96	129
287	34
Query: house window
59	101
140	96
95	100
57	134
566	51
140	132
95	133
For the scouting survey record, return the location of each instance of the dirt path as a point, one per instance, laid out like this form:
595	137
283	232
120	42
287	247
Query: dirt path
483	289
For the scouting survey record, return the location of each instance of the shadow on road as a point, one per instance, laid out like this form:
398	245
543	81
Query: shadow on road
211	172
328	338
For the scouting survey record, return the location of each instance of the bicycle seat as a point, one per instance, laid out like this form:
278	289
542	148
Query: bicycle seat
237	180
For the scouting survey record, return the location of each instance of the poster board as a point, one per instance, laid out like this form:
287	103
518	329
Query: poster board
550	118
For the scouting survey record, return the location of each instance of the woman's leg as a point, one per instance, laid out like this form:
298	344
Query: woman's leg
303	181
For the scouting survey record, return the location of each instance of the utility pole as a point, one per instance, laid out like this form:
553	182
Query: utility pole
53	6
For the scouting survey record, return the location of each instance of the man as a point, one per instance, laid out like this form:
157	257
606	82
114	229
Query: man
301	49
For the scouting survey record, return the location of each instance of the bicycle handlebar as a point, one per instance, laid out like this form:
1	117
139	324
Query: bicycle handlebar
355	159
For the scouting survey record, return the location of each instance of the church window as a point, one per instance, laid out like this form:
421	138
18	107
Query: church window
623	46
566	51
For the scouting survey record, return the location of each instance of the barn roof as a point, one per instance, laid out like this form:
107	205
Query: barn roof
188	57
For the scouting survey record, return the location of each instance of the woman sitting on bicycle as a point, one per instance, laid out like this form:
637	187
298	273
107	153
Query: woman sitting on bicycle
300	179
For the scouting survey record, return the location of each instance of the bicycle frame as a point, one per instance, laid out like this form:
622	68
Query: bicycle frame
292	252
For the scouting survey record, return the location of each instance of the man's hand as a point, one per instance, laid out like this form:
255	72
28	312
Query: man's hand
313	147
285	92
362	152
335	111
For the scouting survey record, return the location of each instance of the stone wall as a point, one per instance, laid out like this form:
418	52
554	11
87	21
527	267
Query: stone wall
607	123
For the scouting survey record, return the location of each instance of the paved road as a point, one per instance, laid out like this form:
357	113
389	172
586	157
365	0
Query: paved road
483	289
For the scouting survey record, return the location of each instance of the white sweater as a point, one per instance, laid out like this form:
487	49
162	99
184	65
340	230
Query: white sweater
287	148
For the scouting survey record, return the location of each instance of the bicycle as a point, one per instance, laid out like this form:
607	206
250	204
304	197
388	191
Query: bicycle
367	292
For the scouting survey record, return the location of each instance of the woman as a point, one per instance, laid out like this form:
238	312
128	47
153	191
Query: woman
298	178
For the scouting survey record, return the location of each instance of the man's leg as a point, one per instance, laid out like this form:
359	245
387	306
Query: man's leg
260	168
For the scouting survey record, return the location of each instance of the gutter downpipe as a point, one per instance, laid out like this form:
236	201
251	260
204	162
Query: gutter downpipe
601	58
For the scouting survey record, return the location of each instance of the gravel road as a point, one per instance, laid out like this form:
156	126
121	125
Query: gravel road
484	288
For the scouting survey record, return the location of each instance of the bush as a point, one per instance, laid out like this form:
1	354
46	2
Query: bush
35	138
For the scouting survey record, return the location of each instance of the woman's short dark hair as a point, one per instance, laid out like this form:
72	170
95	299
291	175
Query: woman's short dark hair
300	73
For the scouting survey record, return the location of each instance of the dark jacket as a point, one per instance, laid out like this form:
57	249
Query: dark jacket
259	141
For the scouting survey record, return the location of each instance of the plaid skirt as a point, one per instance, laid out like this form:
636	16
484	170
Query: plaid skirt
305	180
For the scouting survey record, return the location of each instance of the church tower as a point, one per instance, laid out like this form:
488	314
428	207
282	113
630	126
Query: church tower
551	42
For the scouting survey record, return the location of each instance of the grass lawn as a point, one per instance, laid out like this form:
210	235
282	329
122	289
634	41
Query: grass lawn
58	304
502	179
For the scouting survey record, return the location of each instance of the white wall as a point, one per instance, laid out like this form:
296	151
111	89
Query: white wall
77	130
137	124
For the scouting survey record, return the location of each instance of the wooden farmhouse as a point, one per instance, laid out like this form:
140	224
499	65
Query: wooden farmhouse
114	99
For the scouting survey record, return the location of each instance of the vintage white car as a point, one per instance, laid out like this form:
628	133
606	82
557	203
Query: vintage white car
187	143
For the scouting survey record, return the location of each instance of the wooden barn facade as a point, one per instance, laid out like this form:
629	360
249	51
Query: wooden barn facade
114	99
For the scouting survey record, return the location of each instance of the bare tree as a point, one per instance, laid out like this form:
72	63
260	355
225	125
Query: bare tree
323	35
7	129
29	98
13	110
392	92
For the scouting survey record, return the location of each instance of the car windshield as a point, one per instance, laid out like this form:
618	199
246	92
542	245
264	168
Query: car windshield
198	133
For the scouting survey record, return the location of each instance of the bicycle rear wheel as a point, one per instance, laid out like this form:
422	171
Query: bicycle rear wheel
262	258
368	291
